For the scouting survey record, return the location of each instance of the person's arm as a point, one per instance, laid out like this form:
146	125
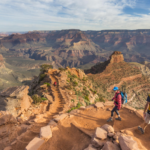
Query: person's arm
146	107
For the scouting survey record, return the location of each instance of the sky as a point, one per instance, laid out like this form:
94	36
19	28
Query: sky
29	15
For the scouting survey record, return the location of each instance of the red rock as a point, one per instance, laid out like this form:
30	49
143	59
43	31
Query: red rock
110	146
45	132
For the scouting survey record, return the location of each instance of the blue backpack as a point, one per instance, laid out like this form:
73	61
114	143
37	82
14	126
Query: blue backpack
124	99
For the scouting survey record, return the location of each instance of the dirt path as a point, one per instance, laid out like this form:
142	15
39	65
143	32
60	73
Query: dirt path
34	131
69	137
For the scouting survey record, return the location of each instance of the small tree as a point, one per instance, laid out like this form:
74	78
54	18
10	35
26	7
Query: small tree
45	67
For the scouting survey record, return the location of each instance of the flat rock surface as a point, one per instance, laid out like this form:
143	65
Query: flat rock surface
127	143
100	133
45	132
34	144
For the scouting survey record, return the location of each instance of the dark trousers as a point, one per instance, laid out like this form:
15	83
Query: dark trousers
116	110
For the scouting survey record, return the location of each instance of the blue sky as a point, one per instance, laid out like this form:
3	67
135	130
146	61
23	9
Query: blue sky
28	15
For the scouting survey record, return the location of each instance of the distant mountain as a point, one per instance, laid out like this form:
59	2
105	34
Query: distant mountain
77	48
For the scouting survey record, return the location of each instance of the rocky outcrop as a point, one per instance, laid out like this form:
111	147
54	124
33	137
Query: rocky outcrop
15	100
116	57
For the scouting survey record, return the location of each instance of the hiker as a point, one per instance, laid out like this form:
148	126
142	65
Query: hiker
117	102
146	116
55	83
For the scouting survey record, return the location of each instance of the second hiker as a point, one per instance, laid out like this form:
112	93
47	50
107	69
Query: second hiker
117	102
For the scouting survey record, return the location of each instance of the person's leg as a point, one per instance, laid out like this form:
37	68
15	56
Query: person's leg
112	113
117	112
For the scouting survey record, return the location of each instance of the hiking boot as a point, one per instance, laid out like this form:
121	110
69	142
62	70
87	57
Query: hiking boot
118	118
109	120
141	129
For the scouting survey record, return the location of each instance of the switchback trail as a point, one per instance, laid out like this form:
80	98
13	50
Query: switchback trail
42	120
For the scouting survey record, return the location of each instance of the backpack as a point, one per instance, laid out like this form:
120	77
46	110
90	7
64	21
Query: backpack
123	97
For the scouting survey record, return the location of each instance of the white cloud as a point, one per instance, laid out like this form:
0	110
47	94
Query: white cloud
60	14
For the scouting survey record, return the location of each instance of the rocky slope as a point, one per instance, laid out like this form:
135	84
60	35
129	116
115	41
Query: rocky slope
72	114
128	77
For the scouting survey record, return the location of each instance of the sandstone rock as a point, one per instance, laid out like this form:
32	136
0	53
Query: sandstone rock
130	108
90	107
61	117
52	123
109	104
99	105
8	148
110	146
82	108
49	97
45	132
116	57
127	143
34	144
90	148
117	135
15	100
108	128
97	143
139	113
100	133
6	117
111	134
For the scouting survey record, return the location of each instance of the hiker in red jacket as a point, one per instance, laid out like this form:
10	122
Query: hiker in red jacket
55	83
117	102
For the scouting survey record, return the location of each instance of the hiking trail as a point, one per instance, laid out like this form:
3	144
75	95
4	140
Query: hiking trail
34	131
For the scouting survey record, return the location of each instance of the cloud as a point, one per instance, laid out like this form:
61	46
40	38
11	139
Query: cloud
60	14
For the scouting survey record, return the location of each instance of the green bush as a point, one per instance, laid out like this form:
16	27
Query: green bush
87	102
45	67
36	99
48	84
76	107
43	98
75	83
72	100
84	79
87	98
62	69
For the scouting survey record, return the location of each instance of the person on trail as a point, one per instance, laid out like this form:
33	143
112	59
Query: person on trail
117	102
146	116
55	83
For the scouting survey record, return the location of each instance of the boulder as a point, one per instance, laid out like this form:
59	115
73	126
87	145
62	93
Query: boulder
15	100
61	117
116	136
6	118
45	132
97	143
34	144
100	133
99	105
127	143
90	148
110	146
108	128
111	134
52	123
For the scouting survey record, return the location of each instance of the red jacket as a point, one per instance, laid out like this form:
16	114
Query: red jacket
117	100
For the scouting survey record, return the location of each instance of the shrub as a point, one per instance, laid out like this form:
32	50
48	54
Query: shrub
72	100
84	79
45	67
76	107
87	102
87	98
74	76
62	69
36	99
43	98
48	84
75	83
